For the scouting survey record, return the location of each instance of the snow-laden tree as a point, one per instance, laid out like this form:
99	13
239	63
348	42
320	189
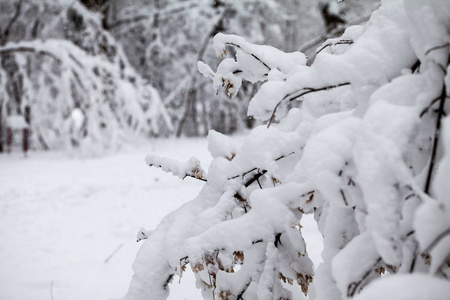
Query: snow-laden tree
165	38
363	151
73	78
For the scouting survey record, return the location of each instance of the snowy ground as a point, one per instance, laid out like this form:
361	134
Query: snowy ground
68	225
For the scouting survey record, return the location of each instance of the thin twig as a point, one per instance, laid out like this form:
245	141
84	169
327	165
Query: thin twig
443	263
253	55
436	241
436	140
183	262
341	42
353	287
239	296
198	178
304	91
185	175
343	197
429	106
112	254
414	259
255	178
259	174
436	48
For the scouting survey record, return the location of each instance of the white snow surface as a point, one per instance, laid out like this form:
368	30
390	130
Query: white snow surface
68	225
406	287
62	218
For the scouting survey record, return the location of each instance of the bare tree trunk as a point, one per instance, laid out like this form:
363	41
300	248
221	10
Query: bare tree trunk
190	94
1	126
5	34
3	40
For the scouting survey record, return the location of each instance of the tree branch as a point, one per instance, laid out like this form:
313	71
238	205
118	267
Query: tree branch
341	42
190	92
436	48
239	296
353	287
253	55
255	178
5	33
415	66
343	197
300	93
436	140
126	22
5	51
259	173
191	168
436	241
426	109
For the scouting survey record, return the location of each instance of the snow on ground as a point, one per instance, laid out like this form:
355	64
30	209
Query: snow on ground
68	225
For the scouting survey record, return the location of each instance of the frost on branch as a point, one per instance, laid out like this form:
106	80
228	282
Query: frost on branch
361	153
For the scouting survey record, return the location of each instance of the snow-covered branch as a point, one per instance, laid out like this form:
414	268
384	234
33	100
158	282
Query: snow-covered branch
191	168
304	91
339	42
12	49
437	133
253	63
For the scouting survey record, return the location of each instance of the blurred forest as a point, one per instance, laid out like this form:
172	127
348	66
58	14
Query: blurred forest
90	74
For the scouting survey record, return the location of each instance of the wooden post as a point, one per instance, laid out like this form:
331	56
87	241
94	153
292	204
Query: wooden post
17	124
25	141
26	130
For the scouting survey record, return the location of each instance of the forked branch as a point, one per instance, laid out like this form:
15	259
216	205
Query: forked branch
259	173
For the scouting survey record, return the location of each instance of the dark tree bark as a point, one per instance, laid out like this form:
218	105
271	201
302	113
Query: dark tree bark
331	19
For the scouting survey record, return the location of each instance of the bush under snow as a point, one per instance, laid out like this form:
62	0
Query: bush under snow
353	139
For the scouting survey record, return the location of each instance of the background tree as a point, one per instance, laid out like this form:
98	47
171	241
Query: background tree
163	38
360	153
80	89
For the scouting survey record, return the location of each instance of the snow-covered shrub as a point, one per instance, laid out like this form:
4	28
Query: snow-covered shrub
353	139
